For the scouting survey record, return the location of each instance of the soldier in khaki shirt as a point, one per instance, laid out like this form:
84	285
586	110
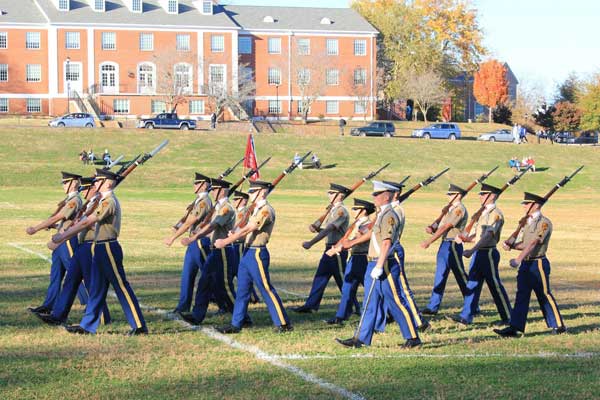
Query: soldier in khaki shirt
61	255
449	255
534	271
383	271
485	259
335	225
254	266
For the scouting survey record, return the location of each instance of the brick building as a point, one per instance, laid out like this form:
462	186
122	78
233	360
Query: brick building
124	57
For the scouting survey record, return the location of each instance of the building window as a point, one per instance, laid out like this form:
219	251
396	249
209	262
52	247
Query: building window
302	104
72	72
33	73
173	7
146	41
3	40
332	107
275	107
72	40
332	47
183	78
332	77
245	45
109	77
63	5
32	40
360	107
34	105
99	5
360	76
360	47
207	7
146	78
274	76
303	76
136	6
196	106
121	106
303	47
183	43
274	45
158	106
3	72
3	105
216	78
109	41
217	43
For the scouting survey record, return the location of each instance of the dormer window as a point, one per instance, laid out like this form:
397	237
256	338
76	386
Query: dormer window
63	5
173	7
98	5
136	6
268	19
326	21
207	7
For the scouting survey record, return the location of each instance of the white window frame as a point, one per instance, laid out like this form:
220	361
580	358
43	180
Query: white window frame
274	76
75	85
300	106
223	67
154	109
137	5
3	40
30	104
274	107
217	43
105	43
121	101
146	89
146	35
109	89
329	50
178	75
271	47
71	44
63	5
183	42
361	73
358	45
304	48
30	69
303	77
360	107
332	102
195	109
205	9
3	71
4	103
99	6
31	43
245	44
172	7
332	77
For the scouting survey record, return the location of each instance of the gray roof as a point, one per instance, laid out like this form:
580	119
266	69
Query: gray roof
20	12
299	18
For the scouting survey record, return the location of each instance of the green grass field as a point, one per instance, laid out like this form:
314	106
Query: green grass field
175	361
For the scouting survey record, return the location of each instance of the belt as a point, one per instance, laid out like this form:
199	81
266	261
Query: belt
212	247
486	248
359	254
87	241
535	258
390	259
105	241
257	247
449	240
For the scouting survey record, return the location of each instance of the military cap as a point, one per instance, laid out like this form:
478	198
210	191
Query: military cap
201	178
532	198
487	189
68	177
219	184
380	187
453	189
240	195
86	181
335	188
364	205
257	185
106	174
398	185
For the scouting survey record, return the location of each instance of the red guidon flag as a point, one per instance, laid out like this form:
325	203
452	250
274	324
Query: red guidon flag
250	160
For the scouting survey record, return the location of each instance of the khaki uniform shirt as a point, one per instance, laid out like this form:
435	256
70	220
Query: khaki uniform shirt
87	234
264	218
457	216
108	214
339	218
240	215
73	204
401	217
202	207
386	227
359	229
536	228
492	221
223	220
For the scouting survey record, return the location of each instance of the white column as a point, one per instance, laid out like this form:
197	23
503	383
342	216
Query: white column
372	72
290	36
91	62
234	62
52	61
201	66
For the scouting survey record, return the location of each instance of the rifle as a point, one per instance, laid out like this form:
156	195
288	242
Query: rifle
419	185
475	217
477	181
510	242
316	225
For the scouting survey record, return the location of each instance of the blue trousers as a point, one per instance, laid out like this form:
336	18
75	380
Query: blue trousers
107	268
232	271
386	296
195	257
78	275
353	276
61	258
212	280
535	275
484	267
449	257
254	269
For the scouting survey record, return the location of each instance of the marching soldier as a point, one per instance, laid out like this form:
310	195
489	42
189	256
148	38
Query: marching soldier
449	256
384	271
61	256
196	252
107	261
485	259
336	225
212	278
357	264
534	271
254	266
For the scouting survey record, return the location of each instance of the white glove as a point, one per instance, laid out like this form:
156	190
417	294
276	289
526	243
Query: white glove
376	272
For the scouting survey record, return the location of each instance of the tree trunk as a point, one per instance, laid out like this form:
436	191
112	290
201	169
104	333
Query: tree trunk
424	111
490	115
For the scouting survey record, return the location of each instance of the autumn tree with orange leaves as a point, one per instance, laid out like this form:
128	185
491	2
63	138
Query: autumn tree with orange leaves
490	85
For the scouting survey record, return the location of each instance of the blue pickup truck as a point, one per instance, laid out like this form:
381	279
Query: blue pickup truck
167	121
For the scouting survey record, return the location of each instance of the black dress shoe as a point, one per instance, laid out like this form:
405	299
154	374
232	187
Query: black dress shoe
428	311
424	326
283	328
77	329
221	311
410	343
334	321
350	342
302	310
502	322
458	319
40	309
509	331
247	322
389	319
189	318
49	319
228	329
559	331
254	300
138	331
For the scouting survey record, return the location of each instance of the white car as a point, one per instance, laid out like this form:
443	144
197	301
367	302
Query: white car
501	135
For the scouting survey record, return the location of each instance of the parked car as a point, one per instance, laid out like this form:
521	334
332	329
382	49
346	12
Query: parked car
563	137
438	131
77	120
500	135
167	121
588	137
385	129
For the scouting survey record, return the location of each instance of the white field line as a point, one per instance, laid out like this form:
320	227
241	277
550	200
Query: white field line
258	353
301	296
434	356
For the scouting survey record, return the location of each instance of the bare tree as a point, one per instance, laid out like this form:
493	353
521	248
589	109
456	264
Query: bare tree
175	71
530	96
426	90
309	80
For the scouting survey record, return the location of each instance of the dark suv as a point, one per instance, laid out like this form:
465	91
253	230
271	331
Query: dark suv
385	129
588	137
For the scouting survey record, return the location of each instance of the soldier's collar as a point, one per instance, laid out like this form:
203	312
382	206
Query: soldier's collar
490	207
362	219
395	203
106	194
338	203
223	200
71	195
261	203
535	215
384	207
202	194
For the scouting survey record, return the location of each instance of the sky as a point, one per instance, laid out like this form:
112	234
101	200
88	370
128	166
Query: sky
543	41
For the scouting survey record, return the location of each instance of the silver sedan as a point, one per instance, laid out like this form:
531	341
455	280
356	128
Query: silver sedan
501	135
